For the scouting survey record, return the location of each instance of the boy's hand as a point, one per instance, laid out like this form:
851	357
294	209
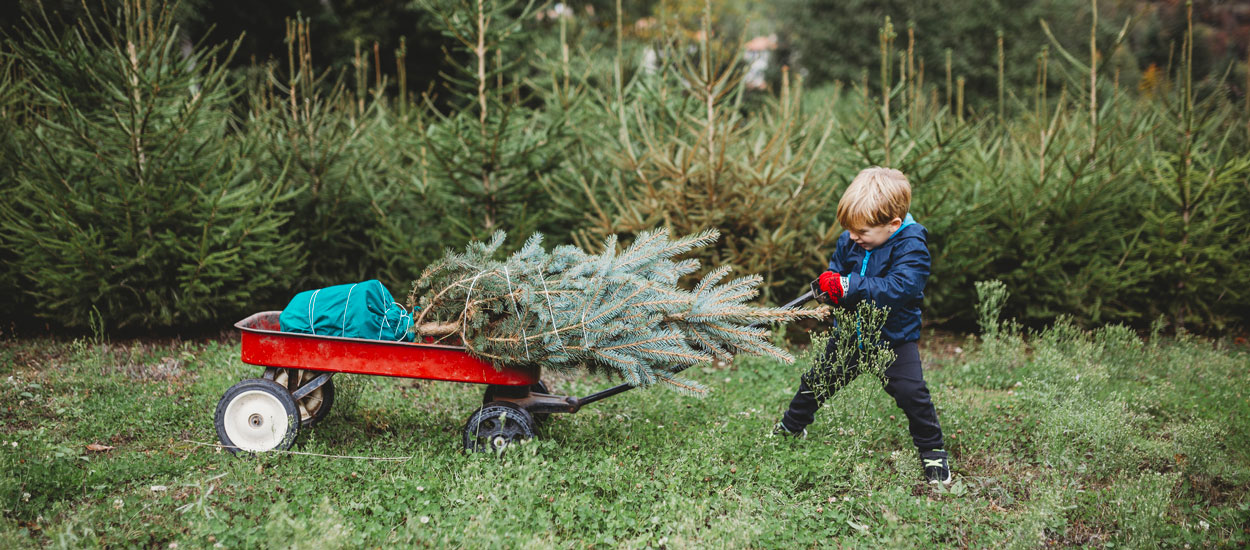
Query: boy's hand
830	286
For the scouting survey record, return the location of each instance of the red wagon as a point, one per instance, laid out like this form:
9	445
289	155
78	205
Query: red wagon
297	390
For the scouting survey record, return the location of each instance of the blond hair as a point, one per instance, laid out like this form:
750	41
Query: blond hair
875	197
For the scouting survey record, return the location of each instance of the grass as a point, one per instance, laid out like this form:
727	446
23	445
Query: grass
1062	438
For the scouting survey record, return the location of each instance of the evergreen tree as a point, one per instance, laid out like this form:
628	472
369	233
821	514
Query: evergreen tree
689	158
620	311
834	39
136	196
486	153
11	89
1195	237
337	142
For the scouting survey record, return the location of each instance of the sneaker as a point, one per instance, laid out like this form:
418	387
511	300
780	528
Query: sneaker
937	468
781	430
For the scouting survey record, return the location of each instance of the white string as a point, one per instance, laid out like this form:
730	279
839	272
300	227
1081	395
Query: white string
403	314
515	309
464	315
585	339
343	322
312	323
280	451
385	323
551	310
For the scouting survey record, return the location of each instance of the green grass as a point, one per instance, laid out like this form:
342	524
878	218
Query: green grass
1146	448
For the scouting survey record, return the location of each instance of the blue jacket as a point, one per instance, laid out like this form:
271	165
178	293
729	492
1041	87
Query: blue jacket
893	274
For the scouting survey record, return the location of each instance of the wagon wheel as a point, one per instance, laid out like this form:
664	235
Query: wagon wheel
536	387
497	425
314	406
257	415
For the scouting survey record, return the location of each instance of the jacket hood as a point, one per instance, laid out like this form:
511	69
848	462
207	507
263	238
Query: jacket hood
909	230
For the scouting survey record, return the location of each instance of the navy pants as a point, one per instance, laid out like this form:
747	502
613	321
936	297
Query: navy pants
904	381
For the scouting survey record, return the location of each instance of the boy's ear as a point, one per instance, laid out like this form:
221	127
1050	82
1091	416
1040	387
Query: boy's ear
895	224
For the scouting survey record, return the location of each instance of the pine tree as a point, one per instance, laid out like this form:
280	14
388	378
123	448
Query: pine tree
1195	240
11	89
136	196
486	152
335	145
620	311
689	157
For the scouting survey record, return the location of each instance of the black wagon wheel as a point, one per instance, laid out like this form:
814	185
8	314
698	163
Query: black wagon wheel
314	406
497	425
537	387
257	415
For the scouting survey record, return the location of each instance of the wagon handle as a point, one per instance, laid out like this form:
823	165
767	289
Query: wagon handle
576	403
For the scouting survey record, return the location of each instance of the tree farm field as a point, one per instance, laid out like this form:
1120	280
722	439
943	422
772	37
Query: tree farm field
1059	438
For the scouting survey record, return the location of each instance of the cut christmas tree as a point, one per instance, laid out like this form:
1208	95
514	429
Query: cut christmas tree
623	312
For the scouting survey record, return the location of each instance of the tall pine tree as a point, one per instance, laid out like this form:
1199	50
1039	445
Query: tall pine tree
486	152
689	158
11	90
134	196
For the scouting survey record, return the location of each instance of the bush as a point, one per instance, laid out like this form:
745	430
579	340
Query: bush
11	90
689	159
358	208
137	197
129	186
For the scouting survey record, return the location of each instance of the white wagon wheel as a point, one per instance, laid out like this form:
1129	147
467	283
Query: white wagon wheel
257	415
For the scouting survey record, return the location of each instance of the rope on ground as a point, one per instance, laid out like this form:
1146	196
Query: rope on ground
384	458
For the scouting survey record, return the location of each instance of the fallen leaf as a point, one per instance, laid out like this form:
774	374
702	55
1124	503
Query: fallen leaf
96	447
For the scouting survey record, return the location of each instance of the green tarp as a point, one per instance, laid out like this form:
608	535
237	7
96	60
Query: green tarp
360	310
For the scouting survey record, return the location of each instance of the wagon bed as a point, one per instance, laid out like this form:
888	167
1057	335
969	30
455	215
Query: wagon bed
264	344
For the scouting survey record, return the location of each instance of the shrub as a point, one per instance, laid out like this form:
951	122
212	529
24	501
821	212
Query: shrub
358	208
689	159
1138	509
136	197
11	90
484	157
1196	171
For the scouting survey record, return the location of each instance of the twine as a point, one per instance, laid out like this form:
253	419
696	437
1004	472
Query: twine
346	305
312	322
551	310
353	457
464	315
403	314
515	309
585	338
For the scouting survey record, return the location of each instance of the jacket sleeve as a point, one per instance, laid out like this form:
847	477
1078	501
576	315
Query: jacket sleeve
902	284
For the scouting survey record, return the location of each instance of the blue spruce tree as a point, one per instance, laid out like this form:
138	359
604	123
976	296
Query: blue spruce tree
624	311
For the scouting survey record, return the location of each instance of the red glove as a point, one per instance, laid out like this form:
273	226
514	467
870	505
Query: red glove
831	284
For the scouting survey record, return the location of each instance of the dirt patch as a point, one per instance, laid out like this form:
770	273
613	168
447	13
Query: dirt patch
1005	483
1215	490
31	355
939	348
165	369
1079	533
148	361
9	424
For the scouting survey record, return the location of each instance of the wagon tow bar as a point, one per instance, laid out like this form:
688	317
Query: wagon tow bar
576	403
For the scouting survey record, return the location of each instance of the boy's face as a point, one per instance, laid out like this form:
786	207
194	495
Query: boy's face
873	236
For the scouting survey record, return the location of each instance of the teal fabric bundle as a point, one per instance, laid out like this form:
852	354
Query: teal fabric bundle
361	310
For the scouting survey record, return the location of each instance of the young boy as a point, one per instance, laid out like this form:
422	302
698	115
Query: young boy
882	258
